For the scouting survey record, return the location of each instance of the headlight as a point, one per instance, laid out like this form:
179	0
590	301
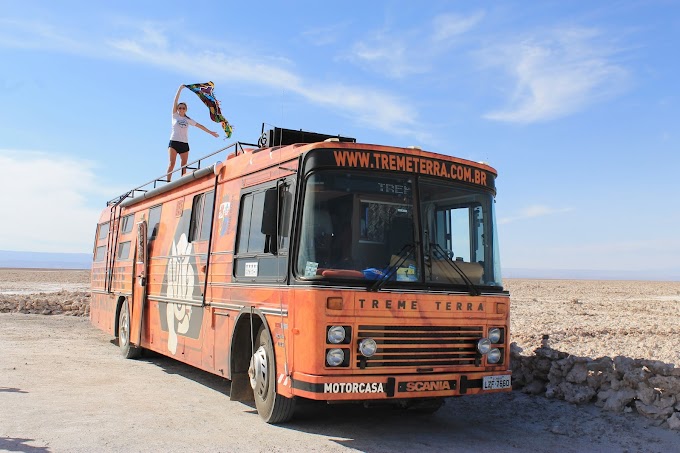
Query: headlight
336	334
484	345
494	356
368	347
335	357
495	335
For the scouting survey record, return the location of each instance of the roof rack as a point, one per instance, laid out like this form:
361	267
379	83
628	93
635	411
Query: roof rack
273	137
195	165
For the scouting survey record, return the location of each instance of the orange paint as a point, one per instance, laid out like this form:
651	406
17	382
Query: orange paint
203	281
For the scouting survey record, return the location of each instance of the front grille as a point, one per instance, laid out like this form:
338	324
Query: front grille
420	346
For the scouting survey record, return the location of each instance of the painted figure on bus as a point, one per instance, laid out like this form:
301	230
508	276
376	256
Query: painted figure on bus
179	138
181	278
181	283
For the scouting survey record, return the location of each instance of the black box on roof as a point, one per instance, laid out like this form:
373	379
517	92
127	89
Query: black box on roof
279	136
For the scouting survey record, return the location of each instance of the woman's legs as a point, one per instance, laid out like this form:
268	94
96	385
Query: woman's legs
184	157
173	156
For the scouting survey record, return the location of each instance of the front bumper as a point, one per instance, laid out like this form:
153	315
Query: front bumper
362	388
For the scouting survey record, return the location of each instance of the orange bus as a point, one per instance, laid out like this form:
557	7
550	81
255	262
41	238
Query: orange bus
318	268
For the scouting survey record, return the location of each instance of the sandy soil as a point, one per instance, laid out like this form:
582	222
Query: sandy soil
598	318
64	386
27	281
595	318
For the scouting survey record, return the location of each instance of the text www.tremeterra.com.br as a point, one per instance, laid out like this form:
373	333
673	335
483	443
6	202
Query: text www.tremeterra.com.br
411	164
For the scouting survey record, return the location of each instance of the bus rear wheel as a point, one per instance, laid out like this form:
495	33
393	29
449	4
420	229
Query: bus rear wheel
272	407
126	348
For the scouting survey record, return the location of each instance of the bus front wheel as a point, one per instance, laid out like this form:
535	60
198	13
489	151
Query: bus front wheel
271	406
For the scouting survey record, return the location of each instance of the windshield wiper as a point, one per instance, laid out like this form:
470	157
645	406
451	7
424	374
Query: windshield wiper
402	256
438	249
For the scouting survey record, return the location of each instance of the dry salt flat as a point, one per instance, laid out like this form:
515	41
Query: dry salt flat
612	343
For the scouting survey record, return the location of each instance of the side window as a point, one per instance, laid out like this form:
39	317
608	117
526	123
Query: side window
154	221
244	223
100	254
251	238
126	224
201	216
103	230
263	233
123	251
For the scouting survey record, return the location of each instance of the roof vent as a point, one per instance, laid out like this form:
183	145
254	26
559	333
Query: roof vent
415	147
332	139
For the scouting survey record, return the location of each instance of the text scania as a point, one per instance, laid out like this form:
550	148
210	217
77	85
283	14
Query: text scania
412	164
427	386
353	387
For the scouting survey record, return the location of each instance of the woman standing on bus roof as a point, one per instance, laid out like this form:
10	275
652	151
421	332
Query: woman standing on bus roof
179	138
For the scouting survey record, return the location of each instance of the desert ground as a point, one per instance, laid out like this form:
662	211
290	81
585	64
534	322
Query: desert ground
591	318
598	318
64	386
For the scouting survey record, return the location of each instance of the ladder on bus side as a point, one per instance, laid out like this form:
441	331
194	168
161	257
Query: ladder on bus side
114	220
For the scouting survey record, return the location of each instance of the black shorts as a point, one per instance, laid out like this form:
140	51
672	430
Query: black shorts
180	147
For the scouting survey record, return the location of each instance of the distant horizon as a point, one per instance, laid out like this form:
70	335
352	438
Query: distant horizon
82	261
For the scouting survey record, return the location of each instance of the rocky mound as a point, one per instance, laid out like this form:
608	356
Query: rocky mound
72	303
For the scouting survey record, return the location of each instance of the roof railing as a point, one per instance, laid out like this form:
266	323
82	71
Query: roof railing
195	165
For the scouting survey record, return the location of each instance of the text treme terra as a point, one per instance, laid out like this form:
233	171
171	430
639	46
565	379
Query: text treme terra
388	304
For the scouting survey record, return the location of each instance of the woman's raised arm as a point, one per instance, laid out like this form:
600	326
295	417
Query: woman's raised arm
174	104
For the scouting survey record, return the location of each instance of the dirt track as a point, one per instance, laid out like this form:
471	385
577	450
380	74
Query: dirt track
64	387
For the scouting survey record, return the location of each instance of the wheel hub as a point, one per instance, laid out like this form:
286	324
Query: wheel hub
258	372
123	329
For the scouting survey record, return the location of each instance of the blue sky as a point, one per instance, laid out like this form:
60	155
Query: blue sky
576	104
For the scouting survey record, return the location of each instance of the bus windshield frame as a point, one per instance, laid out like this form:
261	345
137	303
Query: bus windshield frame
403	230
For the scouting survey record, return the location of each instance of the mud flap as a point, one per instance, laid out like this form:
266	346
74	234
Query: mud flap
240	388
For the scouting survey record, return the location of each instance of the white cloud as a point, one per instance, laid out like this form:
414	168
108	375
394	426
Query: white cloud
533	212
388	55
151	46
324	35
556	75
448	26
362	104
24	34
401	52
45	202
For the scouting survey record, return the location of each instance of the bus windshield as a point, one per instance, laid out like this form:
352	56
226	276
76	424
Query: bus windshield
357	225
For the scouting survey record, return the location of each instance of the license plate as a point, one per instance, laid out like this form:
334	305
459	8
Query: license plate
496	382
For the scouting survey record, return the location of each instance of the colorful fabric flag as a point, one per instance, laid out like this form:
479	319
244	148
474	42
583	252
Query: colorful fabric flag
205	92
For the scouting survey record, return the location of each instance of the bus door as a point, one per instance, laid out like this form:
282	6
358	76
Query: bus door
139	277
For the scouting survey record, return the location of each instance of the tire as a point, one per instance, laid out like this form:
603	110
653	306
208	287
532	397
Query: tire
128	350
272	407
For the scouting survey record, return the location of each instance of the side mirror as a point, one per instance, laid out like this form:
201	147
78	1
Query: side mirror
286	208
271	205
